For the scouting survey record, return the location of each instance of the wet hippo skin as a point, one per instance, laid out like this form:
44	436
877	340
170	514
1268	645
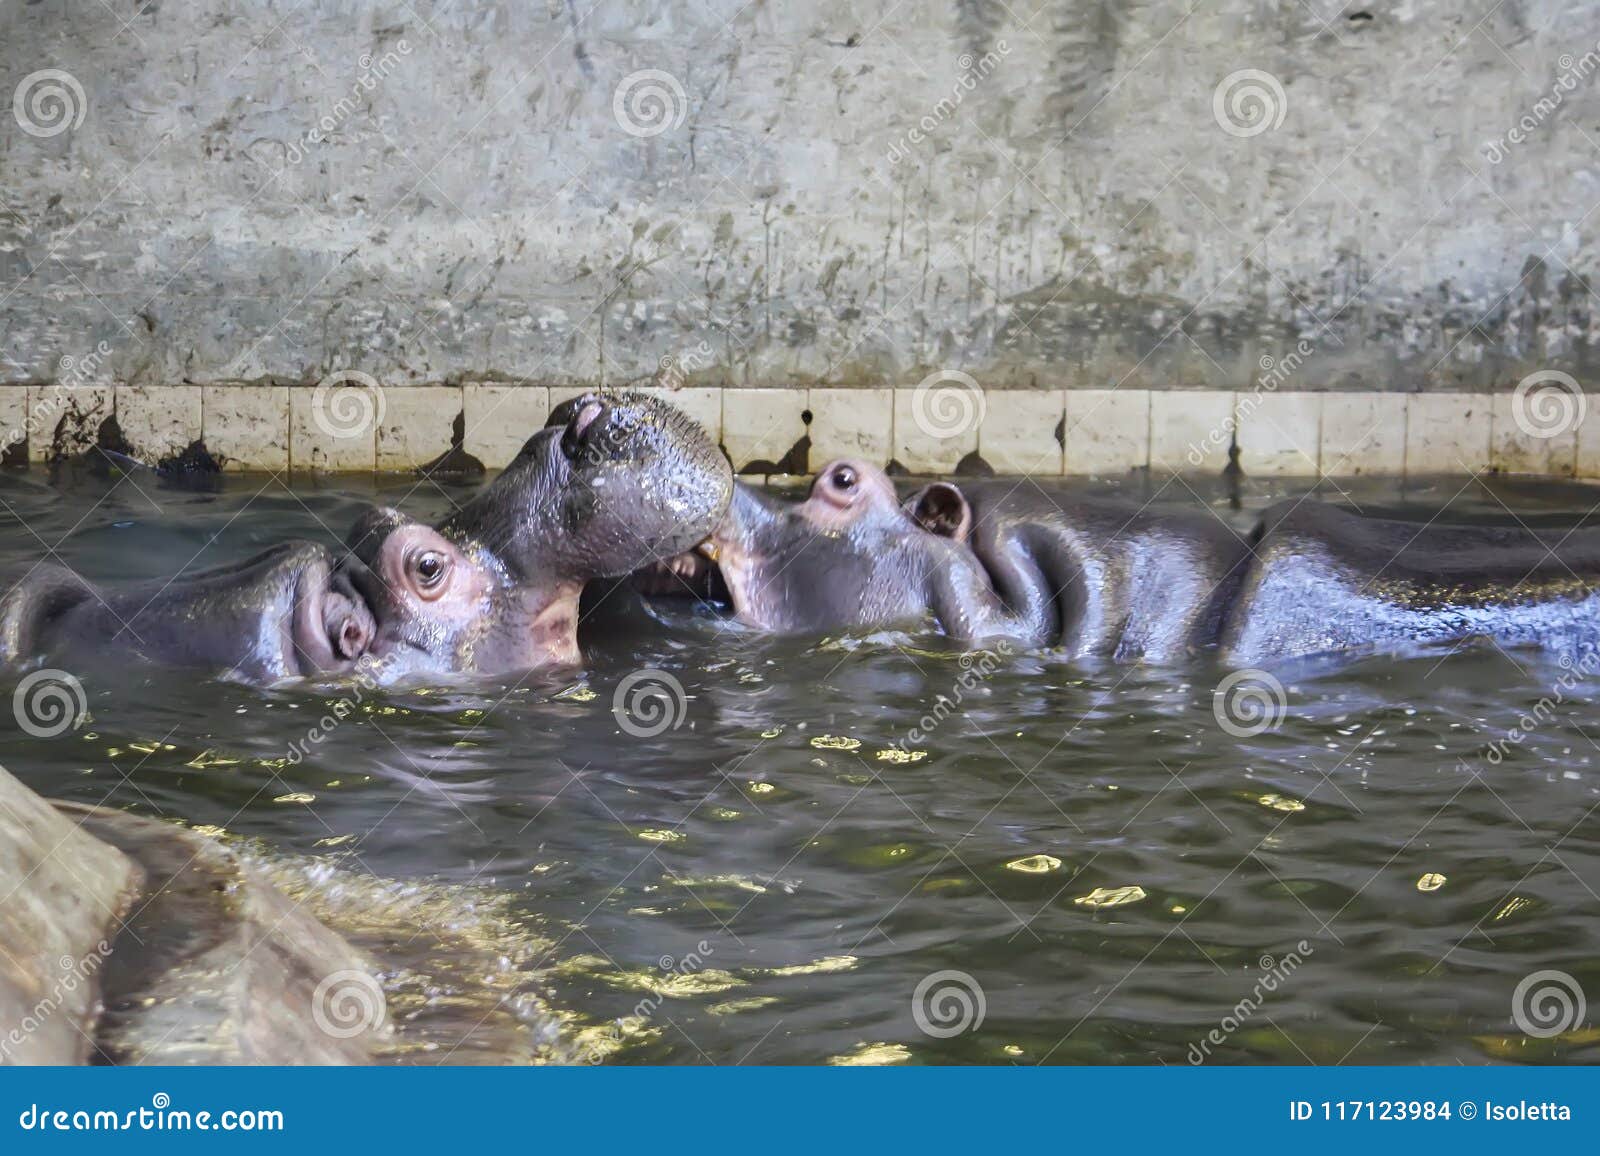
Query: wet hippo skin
846	556
1098	577
1106	578
614	482
1323	580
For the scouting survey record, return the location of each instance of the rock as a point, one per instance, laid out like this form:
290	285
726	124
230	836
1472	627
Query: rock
63	894
216	966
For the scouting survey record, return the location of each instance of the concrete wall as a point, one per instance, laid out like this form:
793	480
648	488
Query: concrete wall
1045	195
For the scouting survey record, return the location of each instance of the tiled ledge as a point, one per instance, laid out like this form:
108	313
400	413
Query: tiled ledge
1042	432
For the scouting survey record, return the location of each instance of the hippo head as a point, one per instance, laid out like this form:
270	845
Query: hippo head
848	556
613	483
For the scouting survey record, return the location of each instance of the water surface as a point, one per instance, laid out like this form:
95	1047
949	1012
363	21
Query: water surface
1109	871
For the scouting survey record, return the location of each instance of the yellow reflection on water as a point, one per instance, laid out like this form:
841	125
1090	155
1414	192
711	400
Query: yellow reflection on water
1034	864
872	1055
1111	897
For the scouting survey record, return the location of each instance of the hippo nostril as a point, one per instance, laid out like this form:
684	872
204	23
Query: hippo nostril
352	640
586	419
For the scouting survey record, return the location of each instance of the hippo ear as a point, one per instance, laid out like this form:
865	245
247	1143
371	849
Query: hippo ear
941	509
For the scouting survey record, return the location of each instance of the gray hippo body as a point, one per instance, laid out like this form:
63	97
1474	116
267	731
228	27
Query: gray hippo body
1323	580
611	484
1102	578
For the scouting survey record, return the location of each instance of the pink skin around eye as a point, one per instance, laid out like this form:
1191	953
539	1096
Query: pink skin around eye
834	505
462	585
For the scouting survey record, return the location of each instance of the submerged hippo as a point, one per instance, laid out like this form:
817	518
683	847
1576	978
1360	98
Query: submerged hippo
612	483
1098	577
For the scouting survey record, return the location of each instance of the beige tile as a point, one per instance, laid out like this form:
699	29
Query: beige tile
1108	430
247	426
702	403
1020	431
13	421
1363	433
335	430
1589	440
761	425
1447	433
76	411
418	424
1515	448
158	420
561	393
1279	433
936	422
501	418
851	423
1190	429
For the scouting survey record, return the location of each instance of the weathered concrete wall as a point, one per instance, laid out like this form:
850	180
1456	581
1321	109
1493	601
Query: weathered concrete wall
438	192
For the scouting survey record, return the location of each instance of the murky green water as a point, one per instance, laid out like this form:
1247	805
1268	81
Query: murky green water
1113	871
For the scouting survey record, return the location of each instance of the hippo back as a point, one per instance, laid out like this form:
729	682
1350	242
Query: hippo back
1325	580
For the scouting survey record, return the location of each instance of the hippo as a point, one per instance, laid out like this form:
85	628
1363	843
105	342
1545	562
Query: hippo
1095	577
848	556
611	483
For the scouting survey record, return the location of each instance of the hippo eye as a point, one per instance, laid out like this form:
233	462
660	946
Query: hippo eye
428	570
844	479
